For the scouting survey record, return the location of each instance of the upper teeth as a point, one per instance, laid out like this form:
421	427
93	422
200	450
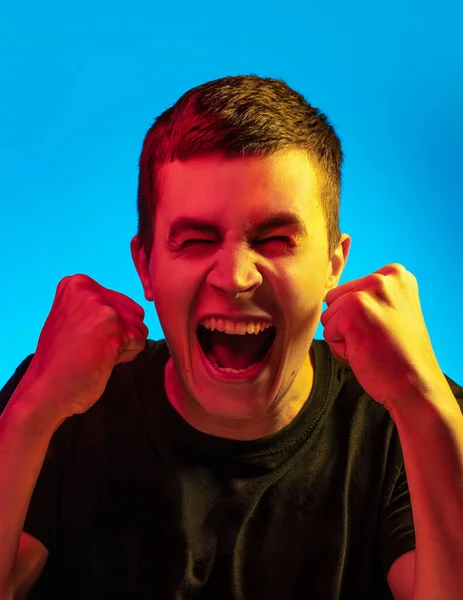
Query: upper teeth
234	328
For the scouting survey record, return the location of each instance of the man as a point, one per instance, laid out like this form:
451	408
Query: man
238	458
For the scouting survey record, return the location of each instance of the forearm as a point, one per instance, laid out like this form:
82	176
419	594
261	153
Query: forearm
25	434
431	437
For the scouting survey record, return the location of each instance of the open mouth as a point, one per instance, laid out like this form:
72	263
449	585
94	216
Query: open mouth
233	351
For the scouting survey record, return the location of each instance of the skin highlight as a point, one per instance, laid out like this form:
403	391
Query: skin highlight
231	268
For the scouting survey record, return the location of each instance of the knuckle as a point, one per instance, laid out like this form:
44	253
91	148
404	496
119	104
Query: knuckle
63	283
117	341
399	269
138	334
84	281
135	306
378	278
78	278
108	313
73	280
359	299
380	283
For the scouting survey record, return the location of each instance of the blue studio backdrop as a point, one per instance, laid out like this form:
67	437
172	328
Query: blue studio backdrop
82	84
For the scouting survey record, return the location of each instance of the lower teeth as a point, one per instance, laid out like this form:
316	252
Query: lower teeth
213	360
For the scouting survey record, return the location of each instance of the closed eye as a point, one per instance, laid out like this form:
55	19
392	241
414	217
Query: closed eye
197	242
280	238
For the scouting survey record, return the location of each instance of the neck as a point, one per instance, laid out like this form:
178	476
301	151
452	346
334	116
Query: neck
278	415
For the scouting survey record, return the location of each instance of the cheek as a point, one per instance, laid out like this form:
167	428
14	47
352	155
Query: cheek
302	298
174	292
167	278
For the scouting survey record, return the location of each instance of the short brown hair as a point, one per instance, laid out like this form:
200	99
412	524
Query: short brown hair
243	115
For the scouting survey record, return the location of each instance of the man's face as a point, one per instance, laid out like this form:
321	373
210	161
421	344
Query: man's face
233	269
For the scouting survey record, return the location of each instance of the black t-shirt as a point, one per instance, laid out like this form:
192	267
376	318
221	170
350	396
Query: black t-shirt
133	502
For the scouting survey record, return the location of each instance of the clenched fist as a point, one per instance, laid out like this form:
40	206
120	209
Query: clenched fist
89	330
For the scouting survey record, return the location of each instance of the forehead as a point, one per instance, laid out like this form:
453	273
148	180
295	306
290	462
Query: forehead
238	190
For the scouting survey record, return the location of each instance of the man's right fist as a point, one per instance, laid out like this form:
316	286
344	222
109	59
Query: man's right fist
89	330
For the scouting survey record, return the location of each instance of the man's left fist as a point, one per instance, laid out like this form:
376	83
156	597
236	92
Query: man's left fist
376	326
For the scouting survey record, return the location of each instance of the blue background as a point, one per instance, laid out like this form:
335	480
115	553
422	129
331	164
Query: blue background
82	84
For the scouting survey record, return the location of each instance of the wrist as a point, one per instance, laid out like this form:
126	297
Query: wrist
32	408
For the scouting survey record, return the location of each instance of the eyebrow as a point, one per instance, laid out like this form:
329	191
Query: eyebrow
279	219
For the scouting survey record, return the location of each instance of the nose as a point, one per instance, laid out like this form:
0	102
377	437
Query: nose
235	272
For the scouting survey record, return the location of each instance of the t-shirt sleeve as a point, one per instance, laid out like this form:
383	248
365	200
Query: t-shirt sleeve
41	519
397	531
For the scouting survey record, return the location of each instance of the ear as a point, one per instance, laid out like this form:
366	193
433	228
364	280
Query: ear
141	263
337	263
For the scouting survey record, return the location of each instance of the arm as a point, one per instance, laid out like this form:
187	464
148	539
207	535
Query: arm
431	436
89	330
25	434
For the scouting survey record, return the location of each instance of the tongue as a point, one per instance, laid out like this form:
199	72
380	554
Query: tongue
236	351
